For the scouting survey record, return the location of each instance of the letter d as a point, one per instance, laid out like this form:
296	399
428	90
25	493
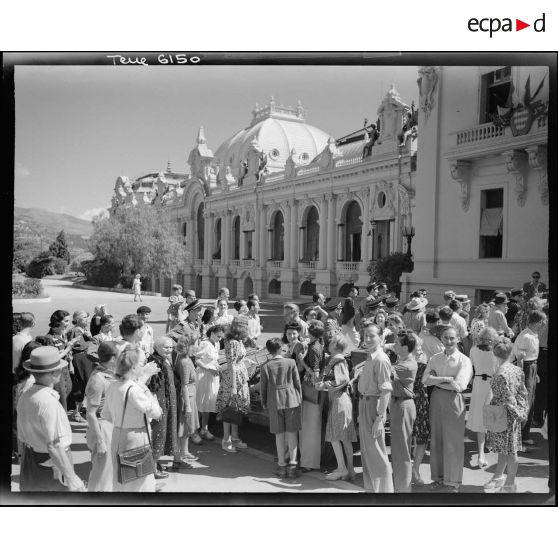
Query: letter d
535	25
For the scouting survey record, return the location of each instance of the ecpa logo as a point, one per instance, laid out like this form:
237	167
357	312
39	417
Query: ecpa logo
494	24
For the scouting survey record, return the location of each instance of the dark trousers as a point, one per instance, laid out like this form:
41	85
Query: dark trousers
530	371
34	476
541	397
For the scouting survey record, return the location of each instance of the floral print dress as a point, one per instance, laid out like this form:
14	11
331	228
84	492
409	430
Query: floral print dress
421	428
508	389
234	371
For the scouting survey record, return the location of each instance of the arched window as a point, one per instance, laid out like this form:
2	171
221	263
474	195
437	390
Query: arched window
312	245
307	288
353	232
274	287
201	231
278	252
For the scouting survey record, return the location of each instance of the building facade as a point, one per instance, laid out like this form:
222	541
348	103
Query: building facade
283	209
481	211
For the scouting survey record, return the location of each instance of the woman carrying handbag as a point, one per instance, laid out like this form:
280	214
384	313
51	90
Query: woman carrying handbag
508	407
129	406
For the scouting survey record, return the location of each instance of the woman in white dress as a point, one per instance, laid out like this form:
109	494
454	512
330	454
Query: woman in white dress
136	287
484	365
129	428
207	363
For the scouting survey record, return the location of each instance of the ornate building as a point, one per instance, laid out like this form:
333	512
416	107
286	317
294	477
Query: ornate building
481	210
282	209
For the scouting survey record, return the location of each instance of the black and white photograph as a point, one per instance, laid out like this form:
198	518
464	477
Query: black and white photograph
281	275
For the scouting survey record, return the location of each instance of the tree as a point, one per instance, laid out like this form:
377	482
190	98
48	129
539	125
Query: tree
59	248
390	268
140	239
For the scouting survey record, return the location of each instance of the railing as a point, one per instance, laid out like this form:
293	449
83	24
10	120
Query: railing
348	266
248	263
308	265
275	177
275	263
307	170
479	133
216	262
198	261
347	162
235	263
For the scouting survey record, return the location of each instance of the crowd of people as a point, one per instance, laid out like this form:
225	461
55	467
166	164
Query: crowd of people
367	362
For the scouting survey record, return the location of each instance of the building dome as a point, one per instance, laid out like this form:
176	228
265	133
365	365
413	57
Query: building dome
278	130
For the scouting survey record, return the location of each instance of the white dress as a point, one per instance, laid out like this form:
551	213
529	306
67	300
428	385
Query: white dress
207	385
484	362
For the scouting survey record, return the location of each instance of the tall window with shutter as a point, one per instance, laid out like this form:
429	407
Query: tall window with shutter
491	223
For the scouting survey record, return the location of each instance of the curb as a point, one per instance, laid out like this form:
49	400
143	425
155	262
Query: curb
314	474
30	300
112	290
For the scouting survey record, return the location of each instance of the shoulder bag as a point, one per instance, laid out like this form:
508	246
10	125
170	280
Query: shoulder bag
137	462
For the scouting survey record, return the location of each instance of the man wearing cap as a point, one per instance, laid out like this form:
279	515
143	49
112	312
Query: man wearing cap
44	429
497	315
450	373
514	305
146	339
191	325
535	287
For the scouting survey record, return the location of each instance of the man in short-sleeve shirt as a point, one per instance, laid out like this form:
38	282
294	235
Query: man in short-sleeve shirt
450	372
374	386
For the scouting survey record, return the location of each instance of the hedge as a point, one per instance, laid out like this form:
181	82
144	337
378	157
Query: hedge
29	288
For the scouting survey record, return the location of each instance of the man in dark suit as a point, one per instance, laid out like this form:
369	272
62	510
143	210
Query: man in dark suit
535	287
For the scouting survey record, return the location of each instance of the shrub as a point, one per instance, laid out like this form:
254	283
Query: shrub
126	281
41	266
59	265
29	288
101	273
390	268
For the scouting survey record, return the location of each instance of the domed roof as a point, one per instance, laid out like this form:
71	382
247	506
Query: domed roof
278	130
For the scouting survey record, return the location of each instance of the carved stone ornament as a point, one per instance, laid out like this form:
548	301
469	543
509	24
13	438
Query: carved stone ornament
404	203
461	173
516	164
290	165
538	162
428	84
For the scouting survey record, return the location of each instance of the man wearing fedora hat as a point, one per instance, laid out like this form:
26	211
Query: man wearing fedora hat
497	315
44	429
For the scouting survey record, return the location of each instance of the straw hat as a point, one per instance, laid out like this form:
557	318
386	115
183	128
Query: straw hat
416	304
43	360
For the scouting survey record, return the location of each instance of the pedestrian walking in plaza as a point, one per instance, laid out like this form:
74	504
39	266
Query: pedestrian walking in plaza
374	388
312	365
508	390
233	383
282	396
164	437
207	373
340	428
129	406
402	410
484	367
136	288
526	352
44	429
185	384
450	373
99	430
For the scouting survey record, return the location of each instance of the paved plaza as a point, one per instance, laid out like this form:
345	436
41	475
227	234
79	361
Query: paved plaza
251	470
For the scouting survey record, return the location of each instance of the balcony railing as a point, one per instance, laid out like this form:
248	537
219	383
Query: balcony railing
235	263
479	133
347	162
248	263
308	265
348	266
198	261
275	263
216	262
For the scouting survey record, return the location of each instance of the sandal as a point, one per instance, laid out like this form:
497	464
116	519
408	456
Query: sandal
494	483
189	457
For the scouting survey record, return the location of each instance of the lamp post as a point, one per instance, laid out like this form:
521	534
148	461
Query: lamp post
408	232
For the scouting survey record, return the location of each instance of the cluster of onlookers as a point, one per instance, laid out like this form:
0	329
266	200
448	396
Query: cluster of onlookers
368	362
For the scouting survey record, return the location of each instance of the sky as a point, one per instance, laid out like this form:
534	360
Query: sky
80	127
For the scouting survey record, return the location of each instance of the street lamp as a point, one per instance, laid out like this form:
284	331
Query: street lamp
408	232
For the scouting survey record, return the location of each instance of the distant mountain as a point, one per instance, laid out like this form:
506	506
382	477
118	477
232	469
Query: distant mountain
54	222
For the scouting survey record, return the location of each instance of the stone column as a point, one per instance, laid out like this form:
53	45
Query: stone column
340	227
264	238
269	244
206	243
287	236
227	237
331	246
365	239
294	235
391	247
257	236
301	251
323	234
